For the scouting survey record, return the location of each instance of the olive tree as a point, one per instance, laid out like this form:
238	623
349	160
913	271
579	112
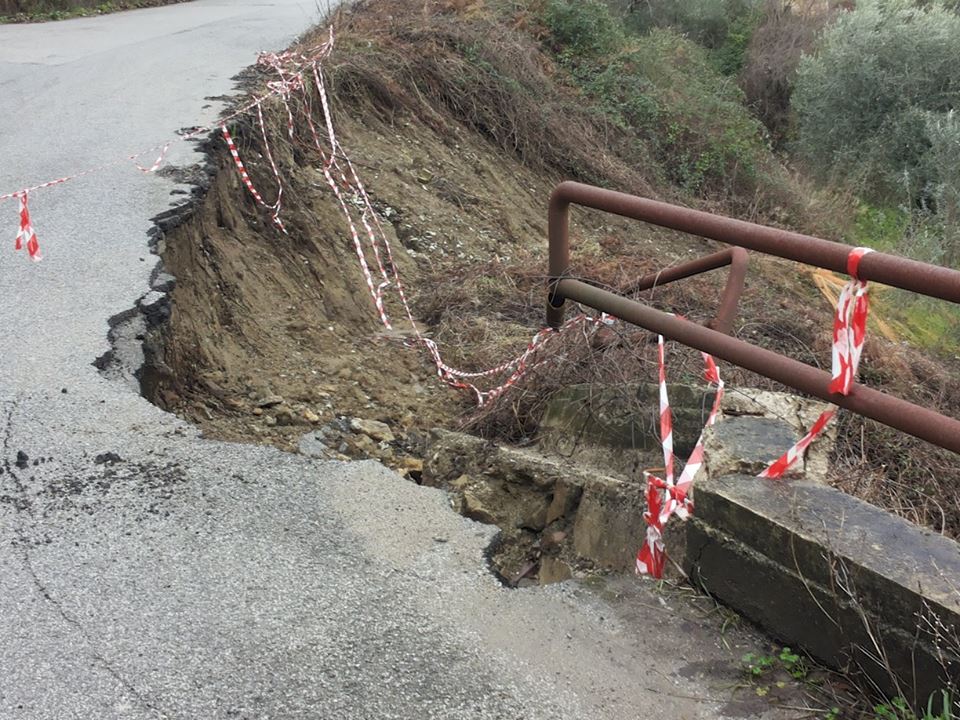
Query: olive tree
864	100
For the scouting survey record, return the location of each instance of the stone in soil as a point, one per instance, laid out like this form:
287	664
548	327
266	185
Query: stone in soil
312	445
269	401
372	428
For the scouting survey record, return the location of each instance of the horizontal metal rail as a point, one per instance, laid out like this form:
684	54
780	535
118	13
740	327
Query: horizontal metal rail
929	280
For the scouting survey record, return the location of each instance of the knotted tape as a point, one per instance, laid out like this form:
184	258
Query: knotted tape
665	497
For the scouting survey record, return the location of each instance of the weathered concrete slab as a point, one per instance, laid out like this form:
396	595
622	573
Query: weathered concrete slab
617	428
625	416
844	580
745	445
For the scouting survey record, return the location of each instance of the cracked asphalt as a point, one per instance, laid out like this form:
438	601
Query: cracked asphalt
148	573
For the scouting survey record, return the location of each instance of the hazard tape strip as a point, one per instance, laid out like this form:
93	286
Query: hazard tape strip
26	237
158	162
664	497
849	338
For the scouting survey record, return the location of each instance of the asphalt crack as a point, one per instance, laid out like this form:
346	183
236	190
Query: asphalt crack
23	546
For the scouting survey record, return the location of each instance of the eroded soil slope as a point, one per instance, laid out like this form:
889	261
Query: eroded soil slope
272	336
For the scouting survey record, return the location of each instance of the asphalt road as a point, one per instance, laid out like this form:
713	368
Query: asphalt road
148	573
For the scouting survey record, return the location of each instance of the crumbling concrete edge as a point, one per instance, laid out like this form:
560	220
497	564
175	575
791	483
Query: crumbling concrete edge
571	518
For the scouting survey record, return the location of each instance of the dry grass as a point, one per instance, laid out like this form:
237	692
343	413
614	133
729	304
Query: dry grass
472	68
486	314
888	468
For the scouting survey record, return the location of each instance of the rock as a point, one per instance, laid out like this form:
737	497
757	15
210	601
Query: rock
746	445
169	398
286	416
565	499
461	483
258	411
211	387
155	306
310	416
411	463
552	540
372	428
534	515
312	445
269	401
553	570
608	528
364	444
270	421
22	460
474	508
164	282
107	458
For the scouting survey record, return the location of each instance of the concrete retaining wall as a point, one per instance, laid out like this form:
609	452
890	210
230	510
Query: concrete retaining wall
851	584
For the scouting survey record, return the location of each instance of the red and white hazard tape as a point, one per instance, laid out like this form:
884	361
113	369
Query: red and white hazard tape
26	235
664	497
156	163
849	337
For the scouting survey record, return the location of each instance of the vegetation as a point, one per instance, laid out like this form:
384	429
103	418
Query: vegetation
663	89
786	30
877	95
723	27
40	10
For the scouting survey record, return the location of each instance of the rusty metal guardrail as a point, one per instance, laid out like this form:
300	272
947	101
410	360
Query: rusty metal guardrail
930	280
737	258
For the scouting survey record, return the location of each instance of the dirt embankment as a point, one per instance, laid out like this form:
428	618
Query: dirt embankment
460	125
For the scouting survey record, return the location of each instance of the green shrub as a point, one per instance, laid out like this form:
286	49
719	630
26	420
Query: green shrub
663	89
706	22
943	166
582	29
880	228
786	30
723	27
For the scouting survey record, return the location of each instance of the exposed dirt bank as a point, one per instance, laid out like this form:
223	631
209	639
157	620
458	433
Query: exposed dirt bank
272	336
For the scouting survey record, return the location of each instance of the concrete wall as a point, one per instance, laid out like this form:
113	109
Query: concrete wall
854	586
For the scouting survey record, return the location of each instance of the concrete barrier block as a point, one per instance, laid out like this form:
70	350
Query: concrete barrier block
840	578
